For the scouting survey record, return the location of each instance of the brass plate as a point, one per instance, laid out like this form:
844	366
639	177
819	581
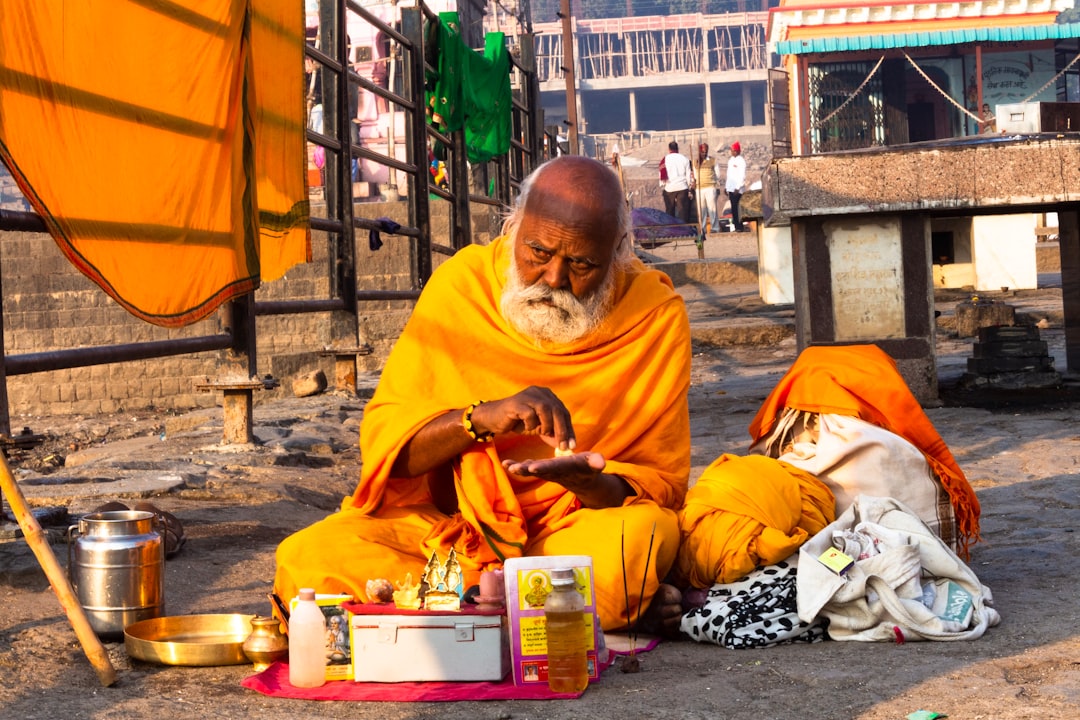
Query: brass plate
196	640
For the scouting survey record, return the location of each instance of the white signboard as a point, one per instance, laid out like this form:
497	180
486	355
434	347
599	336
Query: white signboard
867	279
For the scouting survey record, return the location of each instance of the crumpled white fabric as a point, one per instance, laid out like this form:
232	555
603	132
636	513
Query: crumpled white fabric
905	583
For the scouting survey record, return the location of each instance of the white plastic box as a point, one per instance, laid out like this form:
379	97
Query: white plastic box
1038	117
1017	118
430	646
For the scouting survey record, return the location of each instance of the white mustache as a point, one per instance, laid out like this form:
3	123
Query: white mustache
539	292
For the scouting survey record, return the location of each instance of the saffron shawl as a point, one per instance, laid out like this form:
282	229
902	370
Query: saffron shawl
862	381
625	386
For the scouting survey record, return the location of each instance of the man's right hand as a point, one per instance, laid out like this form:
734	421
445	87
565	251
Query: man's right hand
533	411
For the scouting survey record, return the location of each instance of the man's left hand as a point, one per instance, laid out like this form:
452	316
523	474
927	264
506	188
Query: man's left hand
580	473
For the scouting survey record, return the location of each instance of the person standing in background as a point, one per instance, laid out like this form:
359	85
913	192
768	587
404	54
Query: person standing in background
736	178
679	182
705	180
989	120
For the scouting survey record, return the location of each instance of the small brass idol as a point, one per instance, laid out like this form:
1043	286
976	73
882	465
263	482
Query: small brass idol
441	588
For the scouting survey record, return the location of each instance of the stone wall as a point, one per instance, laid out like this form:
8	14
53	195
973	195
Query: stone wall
48	305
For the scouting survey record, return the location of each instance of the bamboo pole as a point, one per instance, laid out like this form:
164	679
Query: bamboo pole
35	538
568	68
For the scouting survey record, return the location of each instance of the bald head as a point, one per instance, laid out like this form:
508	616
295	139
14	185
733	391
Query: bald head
570	232
579	195
576	189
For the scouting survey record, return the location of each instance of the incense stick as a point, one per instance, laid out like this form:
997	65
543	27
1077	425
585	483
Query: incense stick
625	589
644	577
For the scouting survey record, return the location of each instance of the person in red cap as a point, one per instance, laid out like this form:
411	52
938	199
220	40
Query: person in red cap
736	178
705	178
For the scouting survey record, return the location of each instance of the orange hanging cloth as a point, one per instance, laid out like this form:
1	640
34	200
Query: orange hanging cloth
162	144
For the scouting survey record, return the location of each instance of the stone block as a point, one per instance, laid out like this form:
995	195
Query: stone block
972	316
990	366
308	384
1013	333
1010	348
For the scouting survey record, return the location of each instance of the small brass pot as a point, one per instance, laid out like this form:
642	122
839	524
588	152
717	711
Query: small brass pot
266	644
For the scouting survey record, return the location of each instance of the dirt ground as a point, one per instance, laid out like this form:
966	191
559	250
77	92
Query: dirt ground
238	503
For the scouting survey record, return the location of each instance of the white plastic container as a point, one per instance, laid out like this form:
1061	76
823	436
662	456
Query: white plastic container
307	642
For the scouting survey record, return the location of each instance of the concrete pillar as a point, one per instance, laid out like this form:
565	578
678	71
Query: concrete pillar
1003	249
633	111
866	279
708	106
775	283
582	121
747	105
1069	248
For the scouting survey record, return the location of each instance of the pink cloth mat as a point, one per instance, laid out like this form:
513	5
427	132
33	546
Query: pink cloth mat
274	681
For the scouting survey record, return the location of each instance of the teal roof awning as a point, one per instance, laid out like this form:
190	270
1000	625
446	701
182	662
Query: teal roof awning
886	41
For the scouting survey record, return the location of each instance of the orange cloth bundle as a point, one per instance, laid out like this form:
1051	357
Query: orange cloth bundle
163	144
862	381
747	512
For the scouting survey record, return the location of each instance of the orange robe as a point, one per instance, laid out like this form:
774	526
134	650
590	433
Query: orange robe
862	381
747	512
626	388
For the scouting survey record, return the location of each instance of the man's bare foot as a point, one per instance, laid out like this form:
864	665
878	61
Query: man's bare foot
664	612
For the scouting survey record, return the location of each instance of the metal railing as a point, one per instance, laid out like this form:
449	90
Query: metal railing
342	68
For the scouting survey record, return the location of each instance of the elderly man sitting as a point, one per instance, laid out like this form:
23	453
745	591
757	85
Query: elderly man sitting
535	404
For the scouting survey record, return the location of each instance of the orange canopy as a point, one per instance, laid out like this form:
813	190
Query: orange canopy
163	143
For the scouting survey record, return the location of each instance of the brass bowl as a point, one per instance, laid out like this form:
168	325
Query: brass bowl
195	640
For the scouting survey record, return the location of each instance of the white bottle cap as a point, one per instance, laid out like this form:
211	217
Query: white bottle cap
563	576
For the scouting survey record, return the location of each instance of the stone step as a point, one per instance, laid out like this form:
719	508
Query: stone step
746	330
989	366
724	303
1011	348
710	272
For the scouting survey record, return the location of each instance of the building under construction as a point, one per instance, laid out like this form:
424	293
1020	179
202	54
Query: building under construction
657	72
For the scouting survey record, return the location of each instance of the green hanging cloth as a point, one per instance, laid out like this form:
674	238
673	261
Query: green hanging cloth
470	90
446	55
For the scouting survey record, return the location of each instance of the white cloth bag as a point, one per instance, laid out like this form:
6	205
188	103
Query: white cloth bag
854	457
905	583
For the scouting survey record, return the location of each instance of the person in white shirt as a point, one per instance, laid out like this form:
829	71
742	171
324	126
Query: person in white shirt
680	181
736	178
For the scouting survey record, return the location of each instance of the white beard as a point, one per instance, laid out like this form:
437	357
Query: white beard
563	318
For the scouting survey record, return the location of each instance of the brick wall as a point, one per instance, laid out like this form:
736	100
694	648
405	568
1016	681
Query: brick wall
48	305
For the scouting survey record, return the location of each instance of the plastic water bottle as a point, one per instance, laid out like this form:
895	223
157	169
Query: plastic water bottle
567	639
307	642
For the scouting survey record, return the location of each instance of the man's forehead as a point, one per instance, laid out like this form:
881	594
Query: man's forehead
570	205
572	181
